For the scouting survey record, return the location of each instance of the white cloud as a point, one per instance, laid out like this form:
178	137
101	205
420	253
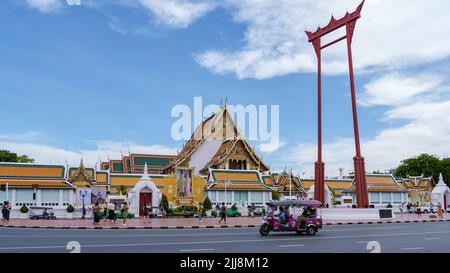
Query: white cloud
45	154
178	13
394	89
391	33
45	6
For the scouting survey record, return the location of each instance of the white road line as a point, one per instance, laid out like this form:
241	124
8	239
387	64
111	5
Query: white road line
413	248
234	241
197	250
429	239
182	234
291	245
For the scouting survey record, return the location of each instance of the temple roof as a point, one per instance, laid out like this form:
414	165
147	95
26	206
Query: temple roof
218	127
379	183
236	180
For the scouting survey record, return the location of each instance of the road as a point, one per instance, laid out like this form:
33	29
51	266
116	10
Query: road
393	238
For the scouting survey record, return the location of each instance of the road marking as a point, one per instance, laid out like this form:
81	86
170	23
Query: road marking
197	250
181	234
413	248
428	239
363	242
291	245
233	241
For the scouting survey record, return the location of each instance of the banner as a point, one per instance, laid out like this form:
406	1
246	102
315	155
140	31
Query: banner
98	195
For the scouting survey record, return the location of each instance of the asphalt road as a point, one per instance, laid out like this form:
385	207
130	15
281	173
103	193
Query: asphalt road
392	238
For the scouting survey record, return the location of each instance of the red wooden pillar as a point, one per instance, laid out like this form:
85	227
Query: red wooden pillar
319	174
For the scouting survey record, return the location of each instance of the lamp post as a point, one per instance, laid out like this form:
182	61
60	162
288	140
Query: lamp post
226	183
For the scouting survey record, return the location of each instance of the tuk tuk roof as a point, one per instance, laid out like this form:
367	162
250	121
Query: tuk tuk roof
299	203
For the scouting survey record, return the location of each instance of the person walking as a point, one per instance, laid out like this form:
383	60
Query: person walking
200	211
440	210
400	207
105	212
6	210
223	214
217	207
148	210
96	211
111	212
125	209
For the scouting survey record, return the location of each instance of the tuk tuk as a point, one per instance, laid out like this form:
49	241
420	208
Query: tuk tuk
300	216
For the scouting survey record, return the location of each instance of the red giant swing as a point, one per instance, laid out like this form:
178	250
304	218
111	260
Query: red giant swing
349	22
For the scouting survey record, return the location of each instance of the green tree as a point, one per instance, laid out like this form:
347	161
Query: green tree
207	203
7	156
426	165
275	195
164	203
122	189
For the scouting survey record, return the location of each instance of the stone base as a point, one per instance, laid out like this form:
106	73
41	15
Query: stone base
352	214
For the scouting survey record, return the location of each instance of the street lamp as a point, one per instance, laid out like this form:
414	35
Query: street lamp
226	183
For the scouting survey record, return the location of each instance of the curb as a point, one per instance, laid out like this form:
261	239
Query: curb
218	227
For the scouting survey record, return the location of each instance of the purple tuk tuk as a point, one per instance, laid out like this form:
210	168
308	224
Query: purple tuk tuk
293	215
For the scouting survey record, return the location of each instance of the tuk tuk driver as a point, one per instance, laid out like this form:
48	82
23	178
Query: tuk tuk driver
305	215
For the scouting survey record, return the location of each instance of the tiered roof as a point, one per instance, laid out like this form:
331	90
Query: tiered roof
379	183
30	175
236	179
219	127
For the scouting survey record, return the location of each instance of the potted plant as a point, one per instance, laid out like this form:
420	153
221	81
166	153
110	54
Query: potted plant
70	209
207	206
24	212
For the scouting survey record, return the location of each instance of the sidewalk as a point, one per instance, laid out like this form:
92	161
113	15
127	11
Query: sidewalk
181	223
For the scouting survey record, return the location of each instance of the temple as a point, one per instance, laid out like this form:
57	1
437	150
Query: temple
216	162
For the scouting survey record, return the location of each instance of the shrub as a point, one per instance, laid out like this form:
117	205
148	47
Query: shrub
70	209
119	215
214	213
207	203
24	209
275	195
389	206
165	203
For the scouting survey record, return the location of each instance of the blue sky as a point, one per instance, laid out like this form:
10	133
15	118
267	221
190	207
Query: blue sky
92	80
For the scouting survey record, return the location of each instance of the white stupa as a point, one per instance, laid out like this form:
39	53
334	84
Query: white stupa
441	193
145	186
328	195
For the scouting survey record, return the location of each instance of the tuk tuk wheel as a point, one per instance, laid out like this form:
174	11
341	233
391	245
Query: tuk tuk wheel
311	231
264	230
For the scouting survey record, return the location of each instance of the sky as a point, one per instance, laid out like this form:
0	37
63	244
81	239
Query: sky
95	79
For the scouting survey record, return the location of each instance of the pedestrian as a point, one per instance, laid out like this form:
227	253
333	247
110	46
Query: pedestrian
96	211
105	212
125	209
4	212
83	215
440	210
401	208
408	208
8	211
111	211
149	209
6	208
200	211
223	214
217	207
